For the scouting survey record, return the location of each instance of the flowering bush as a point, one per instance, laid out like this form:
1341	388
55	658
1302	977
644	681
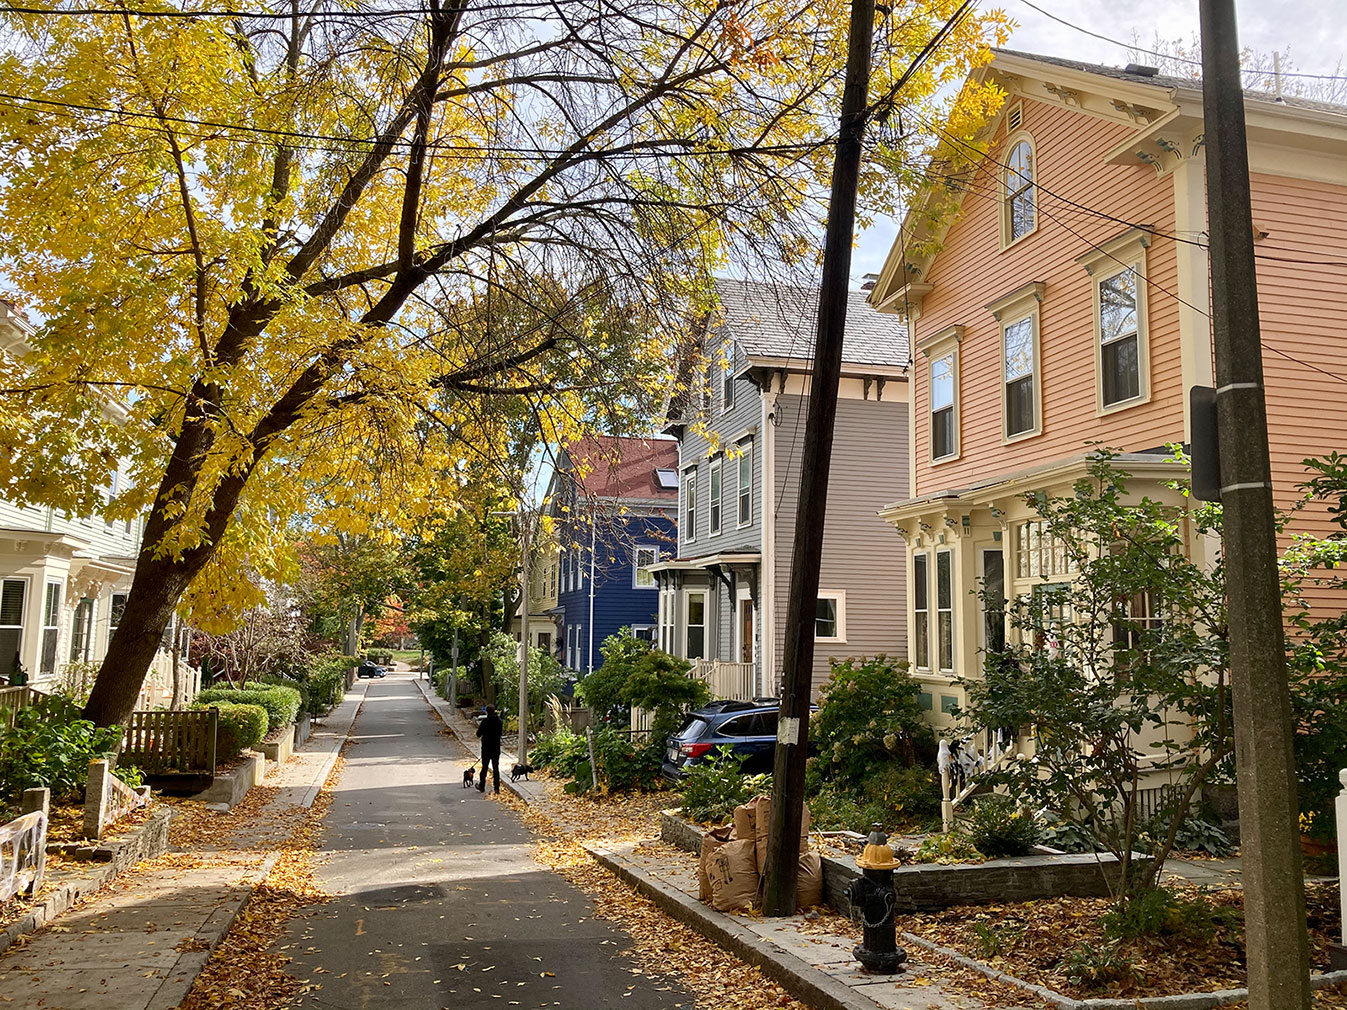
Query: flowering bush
868	717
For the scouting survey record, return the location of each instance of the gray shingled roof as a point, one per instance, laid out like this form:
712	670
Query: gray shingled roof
1169	82
778	321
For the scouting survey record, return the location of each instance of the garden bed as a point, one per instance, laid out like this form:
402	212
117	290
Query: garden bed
1062	944
936	886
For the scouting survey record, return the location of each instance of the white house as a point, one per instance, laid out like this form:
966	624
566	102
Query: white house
64	581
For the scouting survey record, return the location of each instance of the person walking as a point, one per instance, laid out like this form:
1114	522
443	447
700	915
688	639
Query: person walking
489	733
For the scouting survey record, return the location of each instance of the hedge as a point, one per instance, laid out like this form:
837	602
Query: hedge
281	704
241	727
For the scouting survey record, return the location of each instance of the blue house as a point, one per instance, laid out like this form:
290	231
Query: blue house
614	502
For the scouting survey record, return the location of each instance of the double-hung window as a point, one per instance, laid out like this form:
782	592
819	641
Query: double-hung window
1119	338
745	465
13	594
643	577
1021	398
727	379
1020	369
695	644
51	627
1118	267
688	530
82	632
921	611
944	607
715	501
942	407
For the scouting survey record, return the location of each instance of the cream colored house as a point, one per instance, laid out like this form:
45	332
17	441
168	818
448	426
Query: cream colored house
64	581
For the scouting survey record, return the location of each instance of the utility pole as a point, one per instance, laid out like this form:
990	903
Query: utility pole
792	742
1277	948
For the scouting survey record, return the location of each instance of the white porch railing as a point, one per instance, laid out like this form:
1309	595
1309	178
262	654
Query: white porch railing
736	681
965	762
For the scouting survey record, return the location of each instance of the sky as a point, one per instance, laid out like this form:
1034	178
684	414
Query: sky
1312	32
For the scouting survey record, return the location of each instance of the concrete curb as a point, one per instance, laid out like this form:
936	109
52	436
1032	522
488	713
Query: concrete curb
803	981
148	841
340	733
189	965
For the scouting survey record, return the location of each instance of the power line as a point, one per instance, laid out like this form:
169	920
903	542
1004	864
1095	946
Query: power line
1164	56
994	197
255	15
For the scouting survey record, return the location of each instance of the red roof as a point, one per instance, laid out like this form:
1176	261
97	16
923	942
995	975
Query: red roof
616	467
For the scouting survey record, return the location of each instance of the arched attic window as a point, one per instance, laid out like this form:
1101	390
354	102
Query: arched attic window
1021	216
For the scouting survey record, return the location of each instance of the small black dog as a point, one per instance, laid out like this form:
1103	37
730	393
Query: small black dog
520	772
467	776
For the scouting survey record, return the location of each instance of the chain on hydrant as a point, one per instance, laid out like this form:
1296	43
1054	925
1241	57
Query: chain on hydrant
872	895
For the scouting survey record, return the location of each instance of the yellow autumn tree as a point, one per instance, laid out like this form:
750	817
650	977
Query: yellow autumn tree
311	247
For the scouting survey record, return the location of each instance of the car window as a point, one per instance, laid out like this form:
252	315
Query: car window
764	723
693	728
738	726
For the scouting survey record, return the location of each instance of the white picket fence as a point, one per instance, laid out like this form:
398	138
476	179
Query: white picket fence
735	681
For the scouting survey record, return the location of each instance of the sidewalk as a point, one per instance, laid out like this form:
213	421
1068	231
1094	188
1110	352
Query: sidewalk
140	942
812	964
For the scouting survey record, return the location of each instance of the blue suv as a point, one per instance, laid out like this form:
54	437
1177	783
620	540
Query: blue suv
744	729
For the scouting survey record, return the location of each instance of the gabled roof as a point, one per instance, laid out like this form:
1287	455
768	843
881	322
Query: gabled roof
779	321
611	466
1164	111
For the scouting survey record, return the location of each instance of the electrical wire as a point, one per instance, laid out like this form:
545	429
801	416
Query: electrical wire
1164	56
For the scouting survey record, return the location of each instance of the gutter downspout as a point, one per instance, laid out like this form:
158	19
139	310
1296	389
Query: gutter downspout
590	650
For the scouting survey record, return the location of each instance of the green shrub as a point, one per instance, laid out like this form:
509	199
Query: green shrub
281	704
952	847
1097	967
1197	834
51	747
130	775
280	680
1160	912
624	766
716	786
833	808
241	727
634	672
910	795
997	826
562	751
1066	836
868	717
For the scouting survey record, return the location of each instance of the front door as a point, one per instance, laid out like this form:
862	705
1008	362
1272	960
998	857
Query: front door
746	631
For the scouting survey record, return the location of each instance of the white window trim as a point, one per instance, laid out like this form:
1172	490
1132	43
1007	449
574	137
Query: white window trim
939	345
745	447
44	627
705	625
839	596
636	565
1003	197
1022	303
715	504
744	594
727	380
654	639
689	477
1123	252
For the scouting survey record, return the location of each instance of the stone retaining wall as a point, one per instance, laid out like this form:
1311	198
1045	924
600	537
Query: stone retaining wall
929	887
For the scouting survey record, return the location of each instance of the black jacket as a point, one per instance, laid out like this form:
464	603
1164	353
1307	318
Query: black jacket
489	733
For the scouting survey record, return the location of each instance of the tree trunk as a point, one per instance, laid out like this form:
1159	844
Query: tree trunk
158	585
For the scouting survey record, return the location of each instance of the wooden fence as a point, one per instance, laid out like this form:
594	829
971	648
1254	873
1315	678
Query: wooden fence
161	743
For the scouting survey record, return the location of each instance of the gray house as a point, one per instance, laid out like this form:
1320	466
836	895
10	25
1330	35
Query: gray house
740	426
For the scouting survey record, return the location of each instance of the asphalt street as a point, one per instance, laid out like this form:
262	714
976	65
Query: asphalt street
437	900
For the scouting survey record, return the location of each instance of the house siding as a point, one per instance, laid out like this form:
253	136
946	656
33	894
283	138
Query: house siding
972	270
863	556
1303	314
